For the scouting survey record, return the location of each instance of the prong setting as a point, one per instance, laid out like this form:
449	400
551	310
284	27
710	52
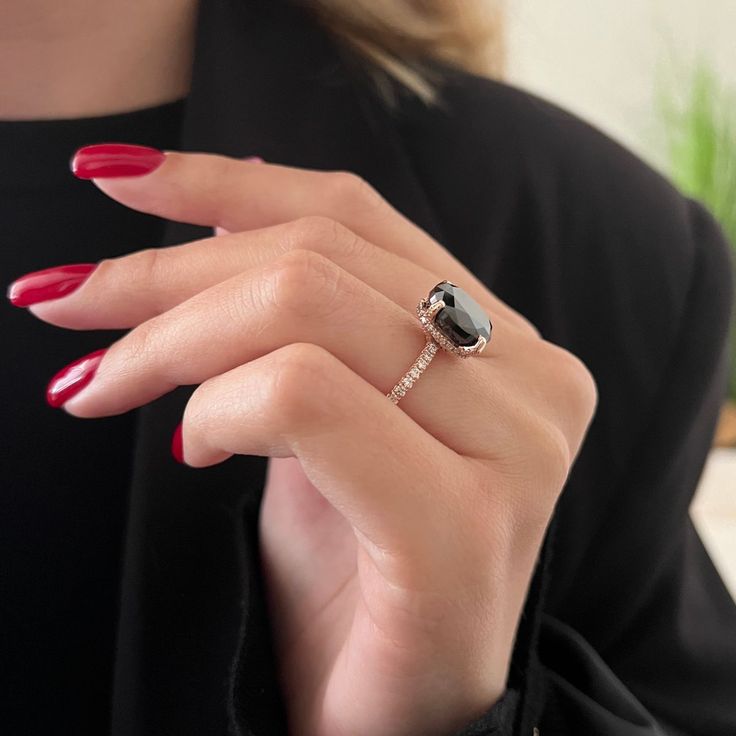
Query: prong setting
464	319
427	314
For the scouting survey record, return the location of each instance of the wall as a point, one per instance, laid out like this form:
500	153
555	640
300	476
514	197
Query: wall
600	58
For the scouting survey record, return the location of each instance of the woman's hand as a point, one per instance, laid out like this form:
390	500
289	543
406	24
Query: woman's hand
398	541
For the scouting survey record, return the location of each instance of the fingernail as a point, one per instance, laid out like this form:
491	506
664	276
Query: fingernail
109	160
177	444
70	380
50	283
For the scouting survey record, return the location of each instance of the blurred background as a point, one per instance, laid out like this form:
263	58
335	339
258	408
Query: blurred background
660	77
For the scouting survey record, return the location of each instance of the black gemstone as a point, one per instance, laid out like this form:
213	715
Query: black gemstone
462	320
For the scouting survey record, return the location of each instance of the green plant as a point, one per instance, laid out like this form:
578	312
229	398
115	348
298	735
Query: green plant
697	112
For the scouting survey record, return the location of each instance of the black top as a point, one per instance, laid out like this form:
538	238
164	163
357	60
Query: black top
627	629
65	490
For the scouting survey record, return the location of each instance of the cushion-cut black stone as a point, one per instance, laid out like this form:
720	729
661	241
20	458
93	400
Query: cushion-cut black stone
462	320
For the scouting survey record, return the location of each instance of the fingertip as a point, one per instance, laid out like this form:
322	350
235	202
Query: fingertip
48	284
115	160
72	378
177	444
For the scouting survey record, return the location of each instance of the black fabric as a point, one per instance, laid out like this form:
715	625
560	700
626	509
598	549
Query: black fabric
64	487
627	630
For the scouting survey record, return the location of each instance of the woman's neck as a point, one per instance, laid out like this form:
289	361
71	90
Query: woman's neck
80	58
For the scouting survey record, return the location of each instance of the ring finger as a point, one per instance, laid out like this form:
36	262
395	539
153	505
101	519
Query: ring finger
301	296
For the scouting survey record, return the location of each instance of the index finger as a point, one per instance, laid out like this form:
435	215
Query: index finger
218	191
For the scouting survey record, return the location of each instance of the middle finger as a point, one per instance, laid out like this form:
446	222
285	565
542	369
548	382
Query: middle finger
125	291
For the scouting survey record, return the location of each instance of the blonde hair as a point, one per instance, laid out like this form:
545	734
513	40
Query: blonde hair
399	37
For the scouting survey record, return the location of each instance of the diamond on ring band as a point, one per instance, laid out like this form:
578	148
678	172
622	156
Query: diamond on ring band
452	320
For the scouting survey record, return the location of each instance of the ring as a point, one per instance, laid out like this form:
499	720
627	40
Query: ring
452	320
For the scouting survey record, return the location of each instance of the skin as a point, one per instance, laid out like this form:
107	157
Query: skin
93	57
398	541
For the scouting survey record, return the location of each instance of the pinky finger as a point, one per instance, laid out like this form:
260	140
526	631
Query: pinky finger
369	458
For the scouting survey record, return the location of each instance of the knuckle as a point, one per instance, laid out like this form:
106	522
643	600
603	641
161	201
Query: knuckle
303	380
527	325
313	232
347	189
555	454
587	389
210	405
578	386
326	236
539	472
141	275
198	410
154	349
217	174
306	282
535	463
138	351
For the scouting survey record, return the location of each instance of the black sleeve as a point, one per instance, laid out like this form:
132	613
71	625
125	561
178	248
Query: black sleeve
670	668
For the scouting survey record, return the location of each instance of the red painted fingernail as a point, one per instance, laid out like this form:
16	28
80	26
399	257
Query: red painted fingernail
51	283
109	160
177	444
70	380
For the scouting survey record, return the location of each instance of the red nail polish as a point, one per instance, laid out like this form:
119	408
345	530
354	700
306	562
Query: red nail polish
109	160
50	283
70	380
177	444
